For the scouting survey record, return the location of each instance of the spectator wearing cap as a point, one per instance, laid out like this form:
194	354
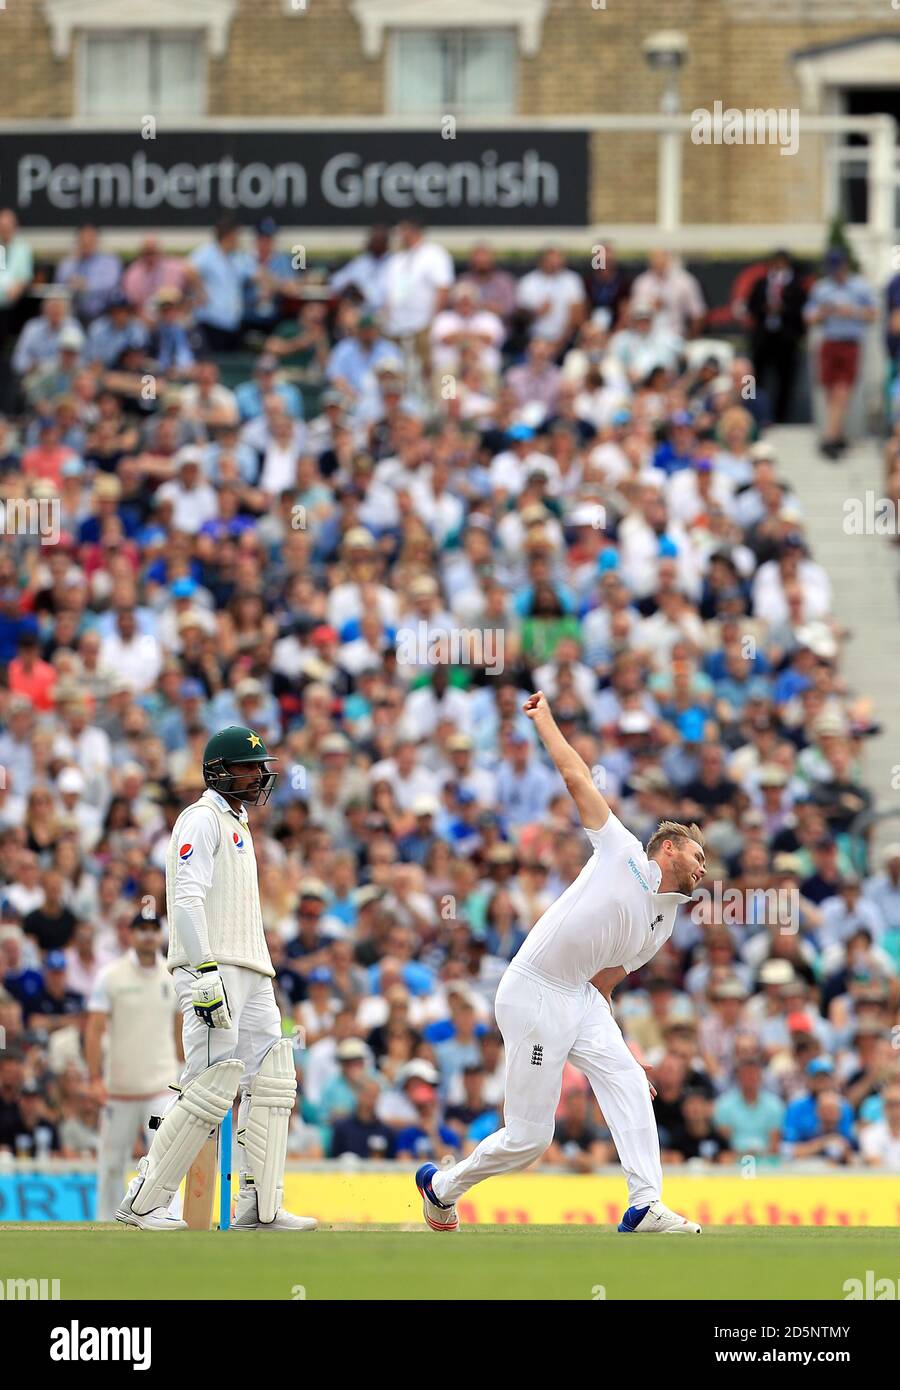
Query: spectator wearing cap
641	347
339	1095
301	342
57	1006
842	304
747	1114
428	1136
38	343
819	1124
265	382
354	361
792	564
316	1014
362	1133
55	376
272	279
416	845
825	880
86	818
524	785
116	330
473	1116
174	343
307	949
219	271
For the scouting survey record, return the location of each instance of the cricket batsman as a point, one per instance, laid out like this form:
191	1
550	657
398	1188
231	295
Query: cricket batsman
223	978
553	1003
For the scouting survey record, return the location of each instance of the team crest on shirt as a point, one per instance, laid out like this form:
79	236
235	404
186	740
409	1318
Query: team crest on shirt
238	841
185	853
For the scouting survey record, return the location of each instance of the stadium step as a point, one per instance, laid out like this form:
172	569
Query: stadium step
865	577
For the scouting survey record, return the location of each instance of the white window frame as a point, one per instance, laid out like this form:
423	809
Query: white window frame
376	17
391	74
69	17
81	65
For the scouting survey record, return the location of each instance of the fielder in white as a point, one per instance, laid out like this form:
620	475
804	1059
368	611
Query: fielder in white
223	976
133	1005
553	1003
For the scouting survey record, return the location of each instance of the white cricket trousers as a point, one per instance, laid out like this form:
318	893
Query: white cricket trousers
256	1025
545	1023
120	1123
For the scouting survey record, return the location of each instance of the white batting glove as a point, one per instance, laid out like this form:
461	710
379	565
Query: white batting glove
209	998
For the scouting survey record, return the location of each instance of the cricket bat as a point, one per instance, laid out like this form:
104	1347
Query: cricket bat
200	1187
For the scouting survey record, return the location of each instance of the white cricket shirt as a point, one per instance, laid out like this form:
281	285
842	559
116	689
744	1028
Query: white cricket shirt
611	914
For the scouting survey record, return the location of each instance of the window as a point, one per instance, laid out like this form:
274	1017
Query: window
134	73
463	72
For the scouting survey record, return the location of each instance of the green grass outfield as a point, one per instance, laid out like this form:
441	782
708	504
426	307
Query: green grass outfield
480	1262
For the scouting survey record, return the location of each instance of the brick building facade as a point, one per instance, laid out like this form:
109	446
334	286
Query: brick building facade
495	59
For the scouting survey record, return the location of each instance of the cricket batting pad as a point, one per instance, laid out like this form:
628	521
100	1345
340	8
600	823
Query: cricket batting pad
272	1093
201	1106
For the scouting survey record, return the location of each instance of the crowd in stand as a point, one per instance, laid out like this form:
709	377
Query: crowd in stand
366	510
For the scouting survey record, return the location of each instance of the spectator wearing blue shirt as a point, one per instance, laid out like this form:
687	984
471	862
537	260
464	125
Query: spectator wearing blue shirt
272	279
814	1129
221	272
114	332
91	276
427	1136
251	395
525	787
174	345
354	361
677	449
842	304
473	1117
749	1116
456	1042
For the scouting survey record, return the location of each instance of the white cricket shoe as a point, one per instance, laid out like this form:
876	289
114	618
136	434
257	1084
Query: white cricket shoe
159	1219
246	1217
440	1216
657	1219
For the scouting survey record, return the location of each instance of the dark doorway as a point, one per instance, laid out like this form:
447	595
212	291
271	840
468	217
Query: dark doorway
864	101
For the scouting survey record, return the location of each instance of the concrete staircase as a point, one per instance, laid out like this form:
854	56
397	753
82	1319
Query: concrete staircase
864	571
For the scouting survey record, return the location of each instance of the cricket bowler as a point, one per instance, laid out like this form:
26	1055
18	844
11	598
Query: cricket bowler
553	1003
223	978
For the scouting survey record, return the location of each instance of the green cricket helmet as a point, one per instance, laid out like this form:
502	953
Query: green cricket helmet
230	747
